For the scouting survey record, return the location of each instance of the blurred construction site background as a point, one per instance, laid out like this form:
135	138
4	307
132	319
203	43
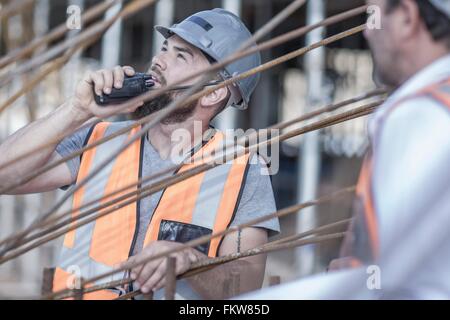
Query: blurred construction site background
318	163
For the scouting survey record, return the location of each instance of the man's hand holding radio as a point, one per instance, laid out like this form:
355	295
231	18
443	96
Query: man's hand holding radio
101	82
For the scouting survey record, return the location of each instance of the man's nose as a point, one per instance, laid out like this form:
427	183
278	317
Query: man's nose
159	62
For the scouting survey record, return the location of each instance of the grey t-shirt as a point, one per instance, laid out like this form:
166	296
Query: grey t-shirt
256	200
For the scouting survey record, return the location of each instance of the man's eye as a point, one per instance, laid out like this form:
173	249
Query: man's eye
164	49
181	56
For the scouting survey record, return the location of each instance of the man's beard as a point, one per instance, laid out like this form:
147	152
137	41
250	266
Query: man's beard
179	115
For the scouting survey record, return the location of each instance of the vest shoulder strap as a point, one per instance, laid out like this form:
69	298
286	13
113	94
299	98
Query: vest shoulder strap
439	92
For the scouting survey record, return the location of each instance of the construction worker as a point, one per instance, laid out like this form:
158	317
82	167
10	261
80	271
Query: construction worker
227	195
399	237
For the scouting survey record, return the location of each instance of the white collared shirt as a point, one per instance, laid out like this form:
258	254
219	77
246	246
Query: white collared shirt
411	175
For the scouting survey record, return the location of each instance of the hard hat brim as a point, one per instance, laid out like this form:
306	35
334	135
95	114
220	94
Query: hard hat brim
168	32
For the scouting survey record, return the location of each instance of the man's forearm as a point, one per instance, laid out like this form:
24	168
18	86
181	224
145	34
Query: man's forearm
217	282
64	120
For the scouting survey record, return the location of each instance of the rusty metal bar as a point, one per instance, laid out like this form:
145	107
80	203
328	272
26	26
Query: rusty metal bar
231	286
147	296
156	93
208	264
14	7
196	170
158	117
205	239
174	106
171	279
71	219
54	66
55	34
47	281
318	230
200	266
96	29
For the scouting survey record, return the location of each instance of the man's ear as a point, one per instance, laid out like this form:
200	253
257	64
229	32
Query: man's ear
410	21
214	97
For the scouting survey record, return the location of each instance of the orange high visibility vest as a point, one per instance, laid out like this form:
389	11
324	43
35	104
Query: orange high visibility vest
361	245
208	200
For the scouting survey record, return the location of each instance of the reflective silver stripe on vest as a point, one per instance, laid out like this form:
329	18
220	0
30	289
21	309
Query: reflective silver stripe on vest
210	195
213	187
77	258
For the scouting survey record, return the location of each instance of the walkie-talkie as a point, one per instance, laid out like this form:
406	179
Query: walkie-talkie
132	87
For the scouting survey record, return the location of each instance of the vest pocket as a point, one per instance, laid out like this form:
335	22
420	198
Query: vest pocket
183	232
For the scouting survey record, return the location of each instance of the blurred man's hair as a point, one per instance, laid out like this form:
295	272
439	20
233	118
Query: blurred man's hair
437	23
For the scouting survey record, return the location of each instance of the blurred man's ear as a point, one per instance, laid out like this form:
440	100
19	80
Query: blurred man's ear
410	19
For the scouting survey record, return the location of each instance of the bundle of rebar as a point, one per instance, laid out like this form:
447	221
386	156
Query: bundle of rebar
50	226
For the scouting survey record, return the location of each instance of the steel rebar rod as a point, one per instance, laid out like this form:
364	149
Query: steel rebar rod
144	192
161	114
249	253
154	176
54	66
156	93
14	8
209	263
205	239
55	33
97	28
157	117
